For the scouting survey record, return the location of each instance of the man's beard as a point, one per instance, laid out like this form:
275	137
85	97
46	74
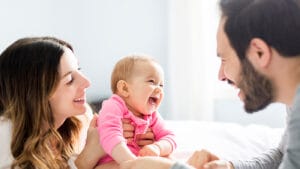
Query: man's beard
258	90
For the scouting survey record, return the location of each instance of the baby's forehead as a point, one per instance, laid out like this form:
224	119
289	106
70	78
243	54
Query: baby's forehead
148	68
147	64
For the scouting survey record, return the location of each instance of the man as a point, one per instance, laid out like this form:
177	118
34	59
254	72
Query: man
258	42
259	45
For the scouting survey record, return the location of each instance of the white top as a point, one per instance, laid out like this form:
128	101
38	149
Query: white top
5	135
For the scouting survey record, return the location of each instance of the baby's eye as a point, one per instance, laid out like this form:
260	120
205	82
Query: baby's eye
161	85
151	81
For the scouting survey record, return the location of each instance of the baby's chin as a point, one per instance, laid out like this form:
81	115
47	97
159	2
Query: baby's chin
149	113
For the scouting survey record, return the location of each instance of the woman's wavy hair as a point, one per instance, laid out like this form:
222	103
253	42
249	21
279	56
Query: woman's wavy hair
28	77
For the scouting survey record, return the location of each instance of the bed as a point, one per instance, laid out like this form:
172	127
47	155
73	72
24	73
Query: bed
227	140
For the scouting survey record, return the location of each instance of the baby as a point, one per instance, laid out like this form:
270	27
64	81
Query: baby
137	86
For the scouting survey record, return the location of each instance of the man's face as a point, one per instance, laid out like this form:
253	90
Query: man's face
255	90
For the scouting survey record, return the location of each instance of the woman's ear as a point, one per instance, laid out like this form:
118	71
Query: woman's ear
259	53
122	88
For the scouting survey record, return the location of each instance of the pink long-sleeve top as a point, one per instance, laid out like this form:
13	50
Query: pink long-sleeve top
111	132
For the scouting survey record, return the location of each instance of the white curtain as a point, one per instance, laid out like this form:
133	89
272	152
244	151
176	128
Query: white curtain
193	65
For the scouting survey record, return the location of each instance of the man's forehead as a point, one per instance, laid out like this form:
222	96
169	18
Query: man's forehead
221	38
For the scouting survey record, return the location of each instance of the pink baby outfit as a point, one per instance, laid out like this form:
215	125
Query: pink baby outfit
111	132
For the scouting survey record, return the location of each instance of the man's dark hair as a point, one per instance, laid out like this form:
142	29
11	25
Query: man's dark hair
277	22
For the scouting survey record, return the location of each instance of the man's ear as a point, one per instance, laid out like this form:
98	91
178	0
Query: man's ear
259	53
122	88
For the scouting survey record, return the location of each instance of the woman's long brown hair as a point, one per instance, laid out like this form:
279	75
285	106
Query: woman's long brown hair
28	76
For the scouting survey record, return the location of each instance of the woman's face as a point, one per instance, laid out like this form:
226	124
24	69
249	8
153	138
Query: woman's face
69	98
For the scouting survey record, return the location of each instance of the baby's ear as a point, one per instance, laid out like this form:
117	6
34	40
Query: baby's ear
122	88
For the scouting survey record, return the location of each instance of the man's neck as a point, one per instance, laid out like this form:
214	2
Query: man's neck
287	80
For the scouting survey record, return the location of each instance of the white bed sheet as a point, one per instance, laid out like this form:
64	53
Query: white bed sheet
227	140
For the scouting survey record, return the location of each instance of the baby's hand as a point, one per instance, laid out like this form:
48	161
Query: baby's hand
150	150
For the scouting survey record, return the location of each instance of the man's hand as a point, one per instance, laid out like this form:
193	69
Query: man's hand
219	164
199	159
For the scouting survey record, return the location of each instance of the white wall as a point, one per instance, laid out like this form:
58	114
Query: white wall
192	46
195	91
180	34
101	31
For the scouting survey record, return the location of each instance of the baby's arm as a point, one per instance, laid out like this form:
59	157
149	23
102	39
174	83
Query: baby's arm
121	153
160	148
165	139
111	131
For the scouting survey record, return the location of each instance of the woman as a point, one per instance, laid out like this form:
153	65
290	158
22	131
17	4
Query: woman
41	92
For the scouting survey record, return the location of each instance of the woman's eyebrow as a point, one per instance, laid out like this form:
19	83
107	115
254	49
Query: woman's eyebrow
66	74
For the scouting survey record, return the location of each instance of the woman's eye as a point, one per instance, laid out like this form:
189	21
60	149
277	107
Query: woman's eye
70	81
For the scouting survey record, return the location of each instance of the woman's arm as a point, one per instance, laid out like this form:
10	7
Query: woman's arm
142	139
148	163
92	150
154	162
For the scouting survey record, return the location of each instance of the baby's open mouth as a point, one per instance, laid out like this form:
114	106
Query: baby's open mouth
153	100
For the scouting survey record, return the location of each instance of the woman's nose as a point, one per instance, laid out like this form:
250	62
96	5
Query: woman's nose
221	75
85	81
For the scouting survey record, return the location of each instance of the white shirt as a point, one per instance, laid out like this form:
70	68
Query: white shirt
6	157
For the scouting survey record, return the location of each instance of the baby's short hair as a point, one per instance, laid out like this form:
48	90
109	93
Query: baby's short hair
124	67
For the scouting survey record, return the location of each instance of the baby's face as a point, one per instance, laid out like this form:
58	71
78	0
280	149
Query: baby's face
145	88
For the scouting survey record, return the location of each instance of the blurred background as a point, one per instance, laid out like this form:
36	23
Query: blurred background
179	34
